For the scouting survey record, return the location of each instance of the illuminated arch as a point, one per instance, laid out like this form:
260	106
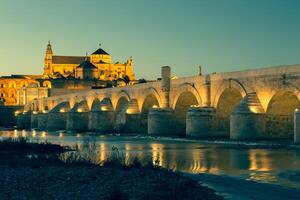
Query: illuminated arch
184	101
228	83
147	92
47	84
96	105
227	101
187	87
62	107
81	106
280	113
122	94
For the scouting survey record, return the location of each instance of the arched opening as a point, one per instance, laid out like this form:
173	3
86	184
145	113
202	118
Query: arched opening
57	117
184	101
96	105
149	102
121	112
78	117
228	100
81	107
61	107
280	114
47	84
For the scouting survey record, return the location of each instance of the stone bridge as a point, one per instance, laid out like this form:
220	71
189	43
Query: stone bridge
250	104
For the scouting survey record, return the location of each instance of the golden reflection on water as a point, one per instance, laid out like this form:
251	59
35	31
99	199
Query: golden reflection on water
252	164
127	153
260	166
262	177
24	134
102	152
200	163
43	134
16	134
259	160
33	134
157	154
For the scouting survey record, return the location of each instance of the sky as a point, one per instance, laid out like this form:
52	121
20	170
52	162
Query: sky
219	35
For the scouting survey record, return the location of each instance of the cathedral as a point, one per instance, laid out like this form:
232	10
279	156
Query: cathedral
98	65
65	74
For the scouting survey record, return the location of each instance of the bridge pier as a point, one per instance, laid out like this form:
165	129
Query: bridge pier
77	121
133	123
24	120
42	120
57	120
297	126
160	122
160	119
199	121
133	118
102	121
102	117
34	120
248	120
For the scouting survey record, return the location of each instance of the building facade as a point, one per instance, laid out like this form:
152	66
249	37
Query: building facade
63	75
13	89
57	66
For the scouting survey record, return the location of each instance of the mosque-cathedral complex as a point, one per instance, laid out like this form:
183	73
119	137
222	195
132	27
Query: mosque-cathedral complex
96	66
65	74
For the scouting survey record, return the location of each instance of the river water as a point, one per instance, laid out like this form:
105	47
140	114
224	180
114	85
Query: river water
276	162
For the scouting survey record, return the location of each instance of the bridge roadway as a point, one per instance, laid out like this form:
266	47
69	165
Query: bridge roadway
251	104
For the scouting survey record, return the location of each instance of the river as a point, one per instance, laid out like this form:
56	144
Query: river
263	164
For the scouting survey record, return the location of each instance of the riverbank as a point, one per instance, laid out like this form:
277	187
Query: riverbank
34	171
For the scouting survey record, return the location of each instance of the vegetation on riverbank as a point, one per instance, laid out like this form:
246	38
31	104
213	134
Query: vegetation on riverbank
39	171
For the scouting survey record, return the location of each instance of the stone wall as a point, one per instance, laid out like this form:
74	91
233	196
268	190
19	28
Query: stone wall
7	115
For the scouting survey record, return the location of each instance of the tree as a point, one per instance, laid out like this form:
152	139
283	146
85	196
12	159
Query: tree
142	80
126	79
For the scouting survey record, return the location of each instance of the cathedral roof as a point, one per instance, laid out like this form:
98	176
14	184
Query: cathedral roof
67	59
87	65
100	51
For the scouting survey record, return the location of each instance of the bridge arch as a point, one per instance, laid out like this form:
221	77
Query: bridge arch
149	92
120	111
123	94
187	97
50	104
150	99
228	83
280	113
81	106
62	107
186	88
227	101
96	105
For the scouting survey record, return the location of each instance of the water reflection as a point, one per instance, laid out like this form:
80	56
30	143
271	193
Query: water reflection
262	165
157	154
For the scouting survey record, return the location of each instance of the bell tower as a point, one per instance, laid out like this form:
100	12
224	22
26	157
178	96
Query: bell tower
48	60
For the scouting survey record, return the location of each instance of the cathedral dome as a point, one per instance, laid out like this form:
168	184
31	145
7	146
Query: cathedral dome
100	52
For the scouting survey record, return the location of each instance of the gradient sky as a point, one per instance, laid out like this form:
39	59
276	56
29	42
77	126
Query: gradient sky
217	34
